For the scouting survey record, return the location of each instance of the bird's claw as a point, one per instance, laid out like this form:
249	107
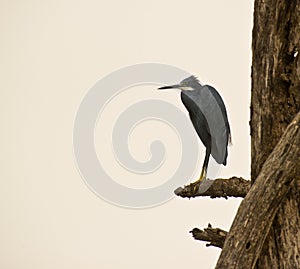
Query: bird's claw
195	185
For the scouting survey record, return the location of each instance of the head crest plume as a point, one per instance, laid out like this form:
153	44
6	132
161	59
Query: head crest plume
190	81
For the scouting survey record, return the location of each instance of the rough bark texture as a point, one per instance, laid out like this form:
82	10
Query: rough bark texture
255	215
275	75
220	188
275	101
214	236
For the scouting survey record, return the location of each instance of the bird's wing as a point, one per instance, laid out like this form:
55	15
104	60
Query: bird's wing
208	106
222	107
216	114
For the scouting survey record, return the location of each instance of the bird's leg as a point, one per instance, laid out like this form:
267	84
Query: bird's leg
203	171
201	178
202	175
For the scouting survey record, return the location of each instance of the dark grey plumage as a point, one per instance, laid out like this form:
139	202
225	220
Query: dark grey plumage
203	104
209	117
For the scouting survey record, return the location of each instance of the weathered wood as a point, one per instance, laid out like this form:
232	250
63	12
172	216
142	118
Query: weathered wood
275	101
215	236
255	215
282	244
220	188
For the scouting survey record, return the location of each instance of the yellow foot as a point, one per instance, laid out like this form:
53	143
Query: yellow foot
195	185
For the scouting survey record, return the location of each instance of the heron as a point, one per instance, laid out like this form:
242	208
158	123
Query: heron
208	114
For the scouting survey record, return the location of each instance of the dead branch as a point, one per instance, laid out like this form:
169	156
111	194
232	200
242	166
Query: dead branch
214	236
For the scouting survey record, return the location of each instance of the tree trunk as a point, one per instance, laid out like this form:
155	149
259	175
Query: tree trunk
275	102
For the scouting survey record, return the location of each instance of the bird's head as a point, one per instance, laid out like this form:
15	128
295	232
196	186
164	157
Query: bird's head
189	84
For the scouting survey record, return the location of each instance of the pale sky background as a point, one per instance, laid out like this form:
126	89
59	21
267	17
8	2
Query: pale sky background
51	53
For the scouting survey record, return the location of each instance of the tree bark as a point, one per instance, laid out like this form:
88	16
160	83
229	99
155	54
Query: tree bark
275	101
254	218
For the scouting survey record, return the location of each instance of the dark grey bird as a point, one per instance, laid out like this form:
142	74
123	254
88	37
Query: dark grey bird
208	114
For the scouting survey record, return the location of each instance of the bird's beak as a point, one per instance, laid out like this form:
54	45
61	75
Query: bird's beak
169	87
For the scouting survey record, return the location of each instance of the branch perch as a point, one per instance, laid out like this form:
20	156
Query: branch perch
220	188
